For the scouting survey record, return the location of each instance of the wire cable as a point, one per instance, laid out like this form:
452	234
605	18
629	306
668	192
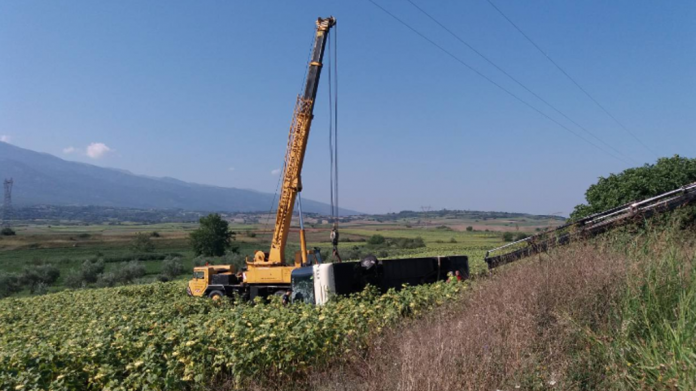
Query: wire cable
336	119
493	82
331	131
570	77
457	37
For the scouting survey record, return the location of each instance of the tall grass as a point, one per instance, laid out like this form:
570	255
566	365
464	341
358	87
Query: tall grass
649	342
616	313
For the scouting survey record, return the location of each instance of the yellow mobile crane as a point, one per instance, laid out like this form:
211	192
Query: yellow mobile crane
268	273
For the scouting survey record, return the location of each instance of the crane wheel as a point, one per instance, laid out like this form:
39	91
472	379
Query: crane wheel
216	295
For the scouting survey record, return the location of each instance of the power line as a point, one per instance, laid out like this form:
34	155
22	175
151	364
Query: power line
513	78
570	78
493	82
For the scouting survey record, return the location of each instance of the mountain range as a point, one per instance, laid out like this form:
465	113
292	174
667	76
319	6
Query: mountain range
44	179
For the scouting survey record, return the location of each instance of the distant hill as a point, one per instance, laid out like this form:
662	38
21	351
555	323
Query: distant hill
44	179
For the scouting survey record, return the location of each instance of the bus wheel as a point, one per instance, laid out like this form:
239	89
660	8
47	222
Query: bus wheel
215	295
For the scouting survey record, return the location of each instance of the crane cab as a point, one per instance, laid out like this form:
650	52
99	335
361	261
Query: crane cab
212	280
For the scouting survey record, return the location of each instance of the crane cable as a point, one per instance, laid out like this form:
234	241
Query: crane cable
333	139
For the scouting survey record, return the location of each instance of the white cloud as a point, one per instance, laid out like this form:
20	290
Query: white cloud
275	172
231	168
97	150
5	138
69	150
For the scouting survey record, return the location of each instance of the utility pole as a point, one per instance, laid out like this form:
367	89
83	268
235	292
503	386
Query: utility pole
7	205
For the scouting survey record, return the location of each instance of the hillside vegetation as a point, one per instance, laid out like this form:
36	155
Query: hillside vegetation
155	337
618	313
635	184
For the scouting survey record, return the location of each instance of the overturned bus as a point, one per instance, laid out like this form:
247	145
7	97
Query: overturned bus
317	283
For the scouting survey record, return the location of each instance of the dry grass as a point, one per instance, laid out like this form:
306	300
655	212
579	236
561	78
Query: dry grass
512	331
617	313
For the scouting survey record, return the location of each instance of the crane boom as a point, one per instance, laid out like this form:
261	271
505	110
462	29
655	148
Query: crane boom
297	145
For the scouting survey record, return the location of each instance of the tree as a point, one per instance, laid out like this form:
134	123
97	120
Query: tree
213	236
142	244
508	236
469	228
636	184
7	231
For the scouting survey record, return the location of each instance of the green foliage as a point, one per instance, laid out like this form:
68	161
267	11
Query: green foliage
87	274
647	339
107	279
635	184
38	276
155	337
212	238
172	268
406	243
469	228
7	231
130	272
508	236
155	234
521	235
142	244
238	260
376	239
9	284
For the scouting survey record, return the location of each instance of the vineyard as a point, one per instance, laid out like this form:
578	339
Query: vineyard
155	337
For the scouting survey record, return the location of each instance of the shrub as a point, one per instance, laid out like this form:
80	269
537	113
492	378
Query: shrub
155	234
108	279
89	273
9	284
171	268
508	236
453	240
407	243
33	277
636	184
74	280
129	272
376	239
469	228
521	235
90	270
142	244
7	231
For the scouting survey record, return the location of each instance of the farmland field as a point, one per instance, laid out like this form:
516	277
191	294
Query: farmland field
67	246
155	337
151	335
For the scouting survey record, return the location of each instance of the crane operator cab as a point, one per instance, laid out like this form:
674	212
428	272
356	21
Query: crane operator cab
212	281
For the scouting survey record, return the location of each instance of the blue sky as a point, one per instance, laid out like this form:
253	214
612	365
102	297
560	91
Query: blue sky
204	92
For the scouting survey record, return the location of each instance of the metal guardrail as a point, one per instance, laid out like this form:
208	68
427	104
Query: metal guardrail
590	225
